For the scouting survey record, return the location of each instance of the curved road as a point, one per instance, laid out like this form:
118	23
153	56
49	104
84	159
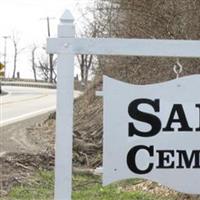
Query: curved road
25	102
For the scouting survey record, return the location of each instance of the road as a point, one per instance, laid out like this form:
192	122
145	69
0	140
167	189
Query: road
25	102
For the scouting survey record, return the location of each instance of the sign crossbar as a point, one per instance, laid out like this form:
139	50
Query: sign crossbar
125	47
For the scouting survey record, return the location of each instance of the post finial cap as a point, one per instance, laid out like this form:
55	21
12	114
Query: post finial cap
67	17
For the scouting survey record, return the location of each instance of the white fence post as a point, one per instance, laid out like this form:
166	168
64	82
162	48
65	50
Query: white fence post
64	122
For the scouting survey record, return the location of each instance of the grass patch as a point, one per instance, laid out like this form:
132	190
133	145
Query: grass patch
85	187
39	187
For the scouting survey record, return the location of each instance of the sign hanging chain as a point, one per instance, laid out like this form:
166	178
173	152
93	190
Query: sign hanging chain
178	68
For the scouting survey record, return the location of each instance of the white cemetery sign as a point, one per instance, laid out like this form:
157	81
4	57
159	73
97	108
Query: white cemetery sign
171	151
153	132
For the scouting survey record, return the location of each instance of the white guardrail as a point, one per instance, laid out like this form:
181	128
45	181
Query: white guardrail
27	83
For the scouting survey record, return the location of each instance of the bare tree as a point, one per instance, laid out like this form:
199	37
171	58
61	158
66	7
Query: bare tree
97	21
43	69
33	61
157	19
17	50
85	62
91	28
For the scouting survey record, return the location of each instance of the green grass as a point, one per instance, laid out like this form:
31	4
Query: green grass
85	187
40	187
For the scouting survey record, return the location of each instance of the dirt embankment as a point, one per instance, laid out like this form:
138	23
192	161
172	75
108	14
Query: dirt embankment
24	148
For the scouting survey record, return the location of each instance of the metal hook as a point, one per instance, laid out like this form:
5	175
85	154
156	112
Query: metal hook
178	68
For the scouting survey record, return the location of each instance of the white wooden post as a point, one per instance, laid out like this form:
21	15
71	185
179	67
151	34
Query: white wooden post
64	122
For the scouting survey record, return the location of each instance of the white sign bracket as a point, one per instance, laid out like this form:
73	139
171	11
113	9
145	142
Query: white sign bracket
67	46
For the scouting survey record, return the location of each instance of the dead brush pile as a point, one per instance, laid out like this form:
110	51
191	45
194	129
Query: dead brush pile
88	116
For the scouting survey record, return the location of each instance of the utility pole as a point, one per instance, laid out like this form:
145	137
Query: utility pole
5	52
50	55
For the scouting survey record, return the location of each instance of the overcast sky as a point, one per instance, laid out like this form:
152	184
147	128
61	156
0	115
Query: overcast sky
24	18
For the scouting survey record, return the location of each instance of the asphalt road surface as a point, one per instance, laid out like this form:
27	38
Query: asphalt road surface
24	102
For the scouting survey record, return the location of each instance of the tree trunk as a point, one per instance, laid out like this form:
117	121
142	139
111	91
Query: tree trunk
15	65
51	68
33	65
